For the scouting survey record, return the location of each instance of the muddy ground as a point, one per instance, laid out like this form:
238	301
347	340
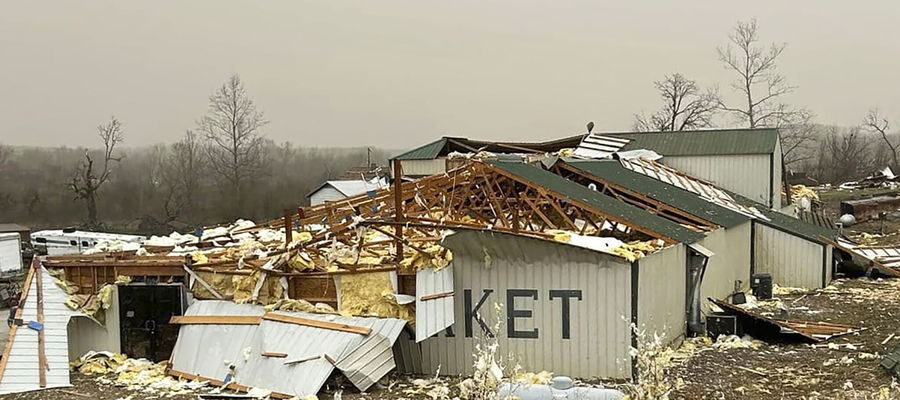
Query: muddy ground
792	371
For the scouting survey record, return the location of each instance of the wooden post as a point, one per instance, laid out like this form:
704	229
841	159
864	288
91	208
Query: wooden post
42	355
288	227
398	208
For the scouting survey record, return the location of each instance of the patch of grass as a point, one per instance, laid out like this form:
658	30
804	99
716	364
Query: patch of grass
835	195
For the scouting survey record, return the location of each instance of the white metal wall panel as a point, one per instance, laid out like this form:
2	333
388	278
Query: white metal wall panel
326	193
793	261
730	263
745	174
424	167
598	326
661	293
10	252
829	260
85	334
433	316
22	368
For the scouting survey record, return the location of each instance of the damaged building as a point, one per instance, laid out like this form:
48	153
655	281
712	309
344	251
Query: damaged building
554	253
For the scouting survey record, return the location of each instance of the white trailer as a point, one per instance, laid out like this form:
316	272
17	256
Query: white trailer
70	241
10	254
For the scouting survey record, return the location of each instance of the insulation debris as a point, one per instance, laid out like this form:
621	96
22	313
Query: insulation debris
801	191
371	294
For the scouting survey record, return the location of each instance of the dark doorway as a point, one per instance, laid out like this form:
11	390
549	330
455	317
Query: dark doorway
144	312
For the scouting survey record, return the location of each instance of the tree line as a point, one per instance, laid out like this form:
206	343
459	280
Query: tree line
224	168
755	98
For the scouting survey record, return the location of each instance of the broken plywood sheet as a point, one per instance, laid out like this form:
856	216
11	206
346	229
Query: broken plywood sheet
763	327
208	350
21	369
433	314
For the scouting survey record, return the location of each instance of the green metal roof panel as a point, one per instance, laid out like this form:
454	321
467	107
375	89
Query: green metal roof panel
787	223
613	172
601	202
429	151
705	142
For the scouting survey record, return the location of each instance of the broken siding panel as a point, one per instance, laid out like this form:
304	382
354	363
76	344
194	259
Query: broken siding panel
433	316
793	261
206	350
598	324
21	372
85	334
662	293
730	263
829	264
424	167
747	175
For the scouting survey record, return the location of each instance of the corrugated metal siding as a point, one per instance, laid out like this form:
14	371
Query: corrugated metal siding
661	293
731	262
204	349
22	368
433	316
747	175
424	167
599	323
326	193
792	261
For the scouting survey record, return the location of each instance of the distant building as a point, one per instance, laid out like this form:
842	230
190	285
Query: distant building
744	161
337	190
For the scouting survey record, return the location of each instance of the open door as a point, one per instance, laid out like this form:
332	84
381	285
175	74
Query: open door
698	258
144	312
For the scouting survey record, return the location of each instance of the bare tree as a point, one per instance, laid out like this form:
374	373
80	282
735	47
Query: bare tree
5	155
685	106
759	82
798	133
875	123
235	149
849	154
182	171
88	178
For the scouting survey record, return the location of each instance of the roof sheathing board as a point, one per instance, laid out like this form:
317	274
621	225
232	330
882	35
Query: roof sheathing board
613	172
705	142
615	209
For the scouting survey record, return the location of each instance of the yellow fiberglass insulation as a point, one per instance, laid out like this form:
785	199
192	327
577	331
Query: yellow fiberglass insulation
371	294
270	292
301	262
222	283
438	257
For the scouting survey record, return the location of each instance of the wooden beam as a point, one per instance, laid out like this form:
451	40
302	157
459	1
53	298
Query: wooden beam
215	320
42	354
233	386
398	208
436	296
289	319
273	354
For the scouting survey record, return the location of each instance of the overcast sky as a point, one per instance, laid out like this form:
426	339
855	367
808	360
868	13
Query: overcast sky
396	74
